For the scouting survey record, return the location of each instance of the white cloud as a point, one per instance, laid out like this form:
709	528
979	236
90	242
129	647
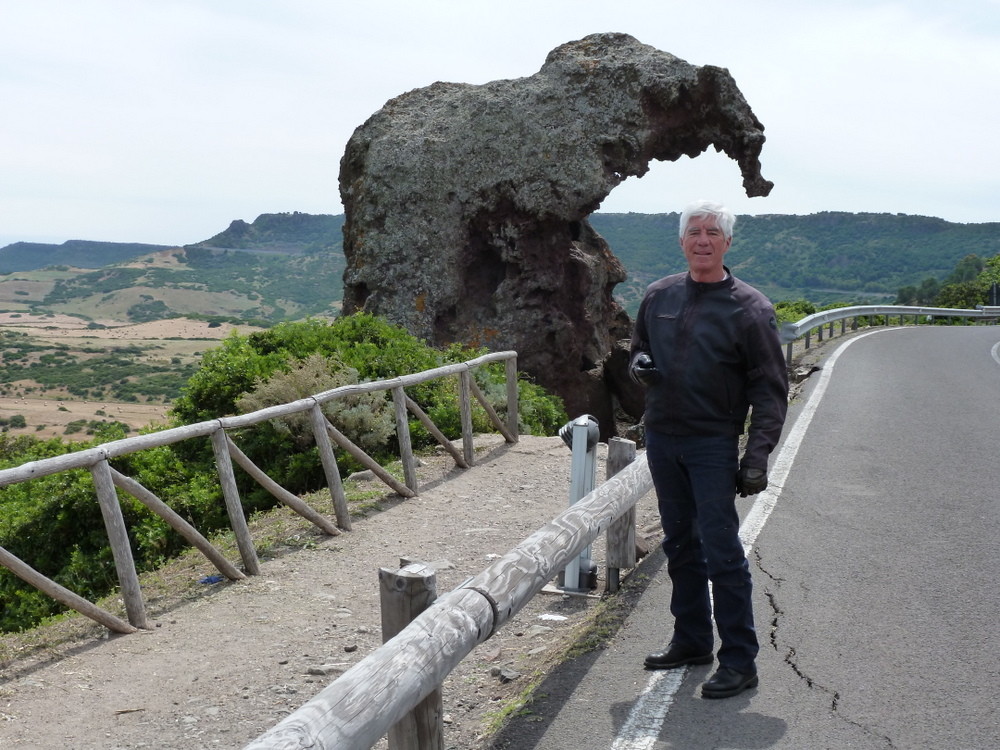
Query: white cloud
162	122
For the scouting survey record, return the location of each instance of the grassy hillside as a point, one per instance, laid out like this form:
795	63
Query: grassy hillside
826	257
289	266
281	267
24	256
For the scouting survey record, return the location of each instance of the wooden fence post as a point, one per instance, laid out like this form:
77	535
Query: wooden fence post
224	465
368	462
403	437
121	550
465	411
329	461
403	596
621	532
510	369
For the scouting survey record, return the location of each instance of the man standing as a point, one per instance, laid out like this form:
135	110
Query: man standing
706	347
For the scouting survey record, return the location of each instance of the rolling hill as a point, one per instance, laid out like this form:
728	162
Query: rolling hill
289	266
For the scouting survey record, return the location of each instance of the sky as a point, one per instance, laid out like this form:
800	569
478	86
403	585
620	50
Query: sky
161	121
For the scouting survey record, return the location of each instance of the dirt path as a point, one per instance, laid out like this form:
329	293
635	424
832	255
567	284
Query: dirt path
219	670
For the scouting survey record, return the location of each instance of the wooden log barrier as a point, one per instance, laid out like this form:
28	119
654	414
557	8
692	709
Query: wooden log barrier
511	581
368	462
62	594
329	461
406	456
177	523
490	411
432	428
358	708
280	493
510	373
465	416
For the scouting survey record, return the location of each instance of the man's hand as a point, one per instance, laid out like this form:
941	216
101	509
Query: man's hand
751	481
644	370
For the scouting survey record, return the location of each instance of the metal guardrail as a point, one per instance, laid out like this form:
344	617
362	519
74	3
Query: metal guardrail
790	332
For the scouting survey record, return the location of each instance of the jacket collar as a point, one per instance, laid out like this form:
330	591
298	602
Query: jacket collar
703	286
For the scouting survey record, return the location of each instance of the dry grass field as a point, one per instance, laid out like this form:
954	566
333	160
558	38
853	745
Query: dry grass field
48	412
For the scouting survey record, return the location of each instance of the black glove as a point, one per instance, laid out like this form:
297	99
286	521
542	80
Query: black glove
644	370
750	481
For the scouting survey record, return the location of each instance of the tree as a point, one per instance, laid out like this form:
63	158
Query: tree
907	296
967	269
965	295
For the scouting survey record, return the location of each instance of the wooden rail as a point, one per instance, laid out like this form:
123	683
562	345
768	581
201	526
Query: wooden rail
360	706
107	480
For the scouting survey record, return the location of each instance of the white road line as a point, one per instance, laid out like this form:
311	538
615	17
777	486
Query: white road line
644	724
995	352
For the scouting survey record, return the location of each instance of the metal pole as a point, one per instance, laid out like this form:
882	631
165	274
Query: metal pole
581	435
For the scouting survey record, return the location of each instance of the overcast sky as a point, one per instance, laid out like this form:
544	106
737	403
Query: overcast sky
163	120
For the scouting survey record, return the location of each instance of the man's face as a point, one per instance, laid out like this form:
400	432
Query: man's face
705	246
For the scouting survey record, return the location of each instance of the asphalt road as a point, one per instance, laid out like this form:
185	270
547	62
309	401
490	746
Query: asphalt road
874	563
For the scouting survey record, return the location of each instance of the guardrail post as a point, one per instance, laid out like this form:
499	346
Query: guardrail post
403	595
621	533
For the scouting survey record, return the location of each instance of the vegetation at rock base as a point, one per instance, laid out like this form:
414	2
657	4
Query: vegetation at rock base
54	524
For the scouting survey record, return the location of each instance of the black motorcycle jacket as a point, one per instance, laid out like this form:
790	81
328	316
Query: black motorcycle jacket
717	350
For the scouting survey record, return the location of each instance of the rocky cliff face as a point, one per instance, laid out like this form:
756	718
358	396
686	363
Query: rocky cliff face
466	205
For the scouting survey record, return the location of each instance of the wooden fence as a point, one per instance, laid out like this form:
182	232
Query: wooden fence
107	481
369	699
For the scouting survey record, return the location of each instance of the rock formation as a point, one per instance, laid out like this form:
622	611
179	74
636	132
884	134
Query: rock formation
466	205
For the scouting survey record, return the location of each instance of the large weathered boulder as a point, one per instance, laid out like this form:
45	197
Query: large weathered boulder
465	205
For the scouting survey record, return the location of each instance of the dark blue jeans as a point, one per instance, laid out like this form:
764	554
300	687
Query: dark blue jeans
695	481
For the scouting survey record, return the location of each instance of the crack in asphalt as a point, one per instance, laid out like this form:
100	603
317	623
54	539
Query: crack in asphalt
790	657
